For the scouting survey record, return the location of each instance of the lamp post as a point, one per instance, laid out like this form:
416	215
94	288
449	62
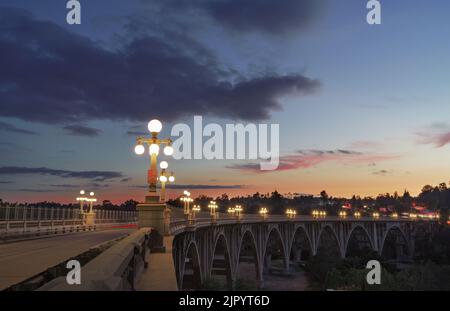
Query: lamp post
263	212
213	206
231	211
357	214
164	179
238	210
195	209
291	213
342	214
81	200
91	202
153	142
186	200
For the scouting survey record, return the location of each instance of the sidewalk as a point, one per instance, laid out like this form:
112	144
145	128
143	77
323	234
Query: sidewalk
160	274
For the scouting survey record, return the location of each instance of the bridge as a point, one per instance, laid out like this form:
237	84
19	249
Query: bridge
232	249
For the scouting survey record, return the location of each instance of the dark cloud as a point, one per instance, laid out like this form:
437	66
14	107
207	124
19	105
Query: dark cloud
70	77
12	128
273	17
94	175
382	172
6	182
137	133
81	130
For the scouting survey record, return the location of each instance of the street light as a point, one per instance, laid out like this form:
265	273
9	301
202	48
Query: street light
195	209
342	214
186	200
231	211
394	215
213	206
357	214
291	213
263	212
376	215
153	143
238	210
163	179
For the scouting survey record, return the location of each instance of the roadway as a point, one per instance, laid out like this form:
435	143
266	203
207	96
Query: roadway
22	260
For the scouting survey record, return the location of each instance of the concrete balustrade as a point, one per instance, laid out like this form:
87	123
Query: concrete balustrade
117	268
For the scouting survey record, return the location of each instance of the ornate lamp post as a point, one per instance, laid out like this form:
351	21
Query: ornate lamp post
186	200
91	202
195	209
263	212
291	213
231	211
153	142
238	210
213	206
357	214
164	179
153	212
342	214
81	200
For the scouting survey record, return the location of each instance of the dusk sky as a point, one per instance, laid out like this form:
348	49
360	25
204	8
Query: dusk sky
363	109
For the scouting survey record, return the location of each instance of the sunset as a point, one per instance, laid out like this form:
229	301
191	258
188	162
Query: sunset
224	145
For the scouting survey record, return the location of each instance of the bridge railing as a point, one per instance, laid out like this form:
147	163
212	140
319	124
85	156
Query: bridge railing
117	268
180	224
19	220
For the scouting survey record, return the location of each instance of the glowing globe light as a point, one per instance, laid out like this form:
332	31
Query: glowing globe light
154	126
139	149
92	193
168	150
171	178
163	165
163	178
154	149
82	192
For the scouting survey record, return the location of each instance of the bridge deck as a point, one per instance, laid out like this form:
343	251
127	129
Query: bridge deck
22	260
160	274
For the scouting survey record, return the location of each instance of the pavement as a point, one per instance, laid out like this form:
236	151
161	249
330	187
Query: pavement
160	274
22	260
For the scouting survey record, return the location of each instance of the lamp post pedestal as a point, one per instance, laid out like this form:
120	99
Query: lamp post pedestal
89	218
156	216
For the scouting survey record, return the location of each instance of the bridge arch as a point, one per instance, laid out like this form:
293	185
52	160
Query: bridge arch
353	234
220	265
399	248
274	245
248	256
191	277
328	230
300	241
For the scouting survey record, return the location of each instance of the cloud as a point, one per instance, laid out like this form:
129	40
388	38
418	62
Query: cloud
270	17
165	76
6	182
12	128
382	172
80	130
94	175
438	134
310	158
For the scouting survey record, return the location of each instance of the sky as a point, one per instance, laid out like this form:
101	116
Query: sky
362	109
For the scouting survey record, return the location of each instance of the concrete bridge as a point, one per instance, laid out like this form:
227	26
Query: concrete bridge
229	247
232	250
